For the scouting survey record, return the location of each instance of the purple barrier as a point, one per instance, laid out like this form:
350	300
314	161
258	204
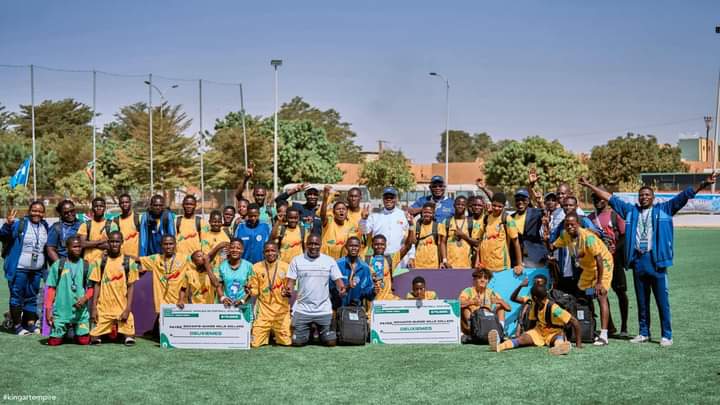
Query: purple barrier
143	306
449	283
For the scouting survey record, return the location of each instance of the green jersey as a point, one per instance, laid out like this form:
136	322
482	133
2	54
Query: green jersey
69	287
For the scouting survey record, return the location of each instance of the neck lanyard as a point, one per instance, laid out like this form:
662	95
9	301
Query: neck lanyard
644	221
167	272
36	230
271	280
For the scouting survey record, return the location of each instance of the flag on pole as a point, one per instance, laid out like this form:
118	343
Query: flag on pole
89	169
21	175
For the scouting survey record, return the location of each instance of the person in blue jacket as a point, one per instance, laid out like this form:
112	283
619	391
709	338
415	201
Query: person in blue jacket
356	276
649	249
24	251
157	222
253	234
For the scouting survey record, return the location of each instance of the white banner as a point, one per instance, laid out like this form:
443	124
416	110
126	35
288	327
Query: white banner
408	321
205	326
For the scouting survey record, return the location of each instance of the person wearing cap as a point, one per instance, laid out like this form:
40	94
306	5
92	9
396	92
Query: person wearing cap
391	222
309	210
528	220
443	204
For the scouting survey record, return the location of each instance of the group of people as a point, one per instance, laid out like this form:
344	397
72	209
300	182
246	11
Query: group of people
332	253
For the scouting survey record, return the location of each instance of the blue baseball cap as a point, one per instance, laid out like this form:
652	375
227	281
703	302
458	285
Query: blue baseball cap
522	193
390	190
437	179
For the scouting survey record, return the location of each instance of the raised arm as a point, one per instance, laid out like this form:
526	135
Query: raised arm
514	295
243	184
712	178
325	203
602	194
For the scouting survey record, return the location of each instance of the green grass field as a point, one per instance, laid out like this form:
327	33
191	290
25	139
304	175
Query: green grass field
688	372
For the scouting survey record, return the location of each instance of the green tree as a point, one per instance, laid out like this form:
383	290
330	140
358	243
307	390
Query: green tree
78	186
337	131
225	161
622	159
465	147
6	118
508	168
390	169
304	154
14	149
175	155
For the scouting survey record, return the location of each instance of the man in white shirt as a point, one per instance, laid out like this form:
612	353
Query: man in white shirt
314	271
392	222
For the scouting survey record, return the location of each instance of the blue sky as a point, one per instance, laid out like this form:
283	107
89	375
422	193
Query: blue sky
580	72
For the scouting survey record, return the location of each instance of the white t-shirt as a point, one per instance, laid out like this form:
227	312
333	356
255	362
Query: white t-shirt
644	224
391	224
313	277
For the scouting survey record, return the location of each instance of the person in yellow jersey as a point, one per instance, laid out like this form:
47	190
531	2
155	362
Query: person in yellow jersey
216	240
267	283
128	223
550	321
190	228
497	229
459	243
419	291
429	240
201	282
480	297
337	229
114	276
168	269
93	233
382	265
289	236
588	252
354	210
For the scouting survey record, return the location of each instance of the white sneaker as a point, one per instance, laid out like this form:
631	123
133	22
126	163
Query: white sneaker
494	340
665	342
640	339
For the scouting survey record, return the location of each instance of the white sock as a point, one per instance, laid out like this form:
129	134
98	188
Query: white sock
603	334
502	323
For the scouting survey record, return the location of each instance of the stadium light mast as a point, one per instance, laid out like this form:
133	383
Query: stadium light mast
717	114
275	63
708	125
447	124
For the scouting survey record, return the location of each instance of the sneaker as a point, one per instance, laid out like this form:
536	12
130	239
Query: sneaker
640	339
561	348
20	331
623	335
599	341
494	340
95	341
129	341
665	342
465	339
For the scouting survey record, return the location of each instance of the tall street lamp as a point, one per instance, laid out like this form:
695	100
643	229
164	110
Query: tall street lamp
275	63
708	125
151	86
447	124
717	114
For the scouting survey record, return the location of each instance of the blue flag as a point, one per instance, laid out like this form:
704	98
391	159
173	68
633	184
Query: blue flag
21	175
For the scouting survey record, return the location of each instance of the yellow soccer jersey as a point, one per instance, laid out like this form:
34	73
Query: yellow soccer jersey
585	248
426	249
486	298
334	238
97	232
112	299
212	239
429	295
199	287
168	277
291	244
131	235
188	238
494	254
458	250
266	282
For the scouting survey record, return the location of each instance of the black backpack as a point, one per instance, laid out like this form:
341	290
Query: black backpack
198	225
481	323
86	269
352	325
585	315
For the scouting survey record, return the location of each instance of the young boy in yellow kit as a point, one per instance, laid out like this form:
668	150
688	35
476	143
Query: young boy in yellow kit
168	270
419	291
189	228
200	280
114	276
94	232
267	283
216	240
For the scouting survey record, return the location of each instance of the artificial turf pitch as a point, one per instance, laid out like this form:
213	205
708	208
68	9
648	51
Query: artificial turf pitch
688	372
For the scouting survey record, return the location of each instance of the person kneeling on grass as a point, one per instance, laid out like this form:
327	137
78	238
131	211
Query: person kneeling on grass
200	280
313	271
550	321
168	270
68	294
113	277
267	283
481	298
419	292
